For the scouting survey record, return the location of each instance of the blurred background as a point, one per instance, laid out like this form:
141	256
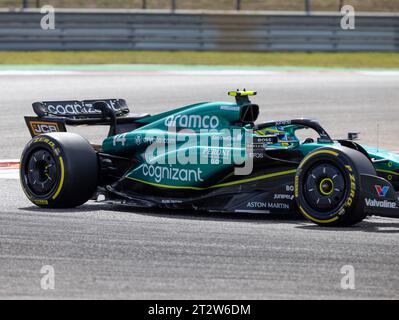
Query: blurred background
232	32
289	5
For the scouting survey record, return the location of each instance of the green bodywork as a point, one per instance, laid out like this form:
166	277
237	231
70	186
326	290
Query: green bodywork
389	169
200	156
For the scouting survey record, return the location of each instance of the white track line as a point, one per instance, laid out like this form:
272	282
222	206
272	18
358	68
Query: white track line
36	73
379	73
9	172
223	72
10	175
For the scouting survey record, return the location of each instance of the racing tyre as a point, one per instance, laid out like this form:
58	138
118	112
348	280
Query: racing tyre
59	170
327	186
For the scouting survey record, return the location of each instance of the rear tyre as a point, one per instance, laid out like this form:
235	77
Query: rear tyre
327	186
59	170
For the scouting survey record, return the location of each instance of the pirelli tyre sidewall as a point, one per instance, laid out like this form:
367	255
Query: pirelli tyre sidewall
72	179
348	208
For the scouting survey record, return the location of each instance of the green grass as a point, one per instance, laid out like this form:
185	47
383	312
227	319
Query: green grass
300	59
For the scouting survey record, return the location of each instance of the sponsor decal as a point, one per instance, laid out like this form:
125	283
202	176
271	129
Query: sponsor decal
213	152
76	108
164	173
257	155
163	140
230	108
352	192
283	123
283	197
169	201
382	190
122	139
268	205
341	212
44	140
41	202
40	127
289	188
381	204
271	139
217	156
228	138
192	121
138	139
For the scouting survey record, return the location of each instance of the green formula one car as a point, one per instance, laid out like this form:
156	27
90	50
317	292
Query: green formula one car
209	156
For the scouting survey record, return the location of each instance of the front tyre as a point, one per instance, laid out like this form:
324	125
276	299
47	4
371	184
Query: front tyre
327	186
59	170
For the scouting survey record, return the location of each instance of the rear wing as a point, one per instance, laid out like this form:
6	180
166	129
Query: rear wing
79	109
53	116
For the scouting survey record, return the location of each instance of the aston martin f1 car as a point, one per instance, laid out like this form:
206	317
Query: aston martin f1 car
209	156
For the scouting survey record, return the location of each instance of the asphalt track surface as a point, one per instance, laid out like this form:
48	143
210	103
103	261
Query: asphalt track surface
98	252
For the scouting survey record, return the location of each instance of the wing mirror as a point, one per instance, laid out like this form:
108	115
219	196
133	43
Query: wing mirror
353	136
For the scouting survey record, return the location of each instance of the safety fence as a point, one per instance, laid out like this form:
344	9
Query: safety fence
186	30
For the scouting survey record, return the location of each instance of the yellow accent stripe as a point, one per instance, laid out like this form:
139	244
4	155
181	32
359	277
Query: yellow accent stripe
263	177
266	176
388	171
241	93
317	220
62	179
316	153
321	187
228	176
